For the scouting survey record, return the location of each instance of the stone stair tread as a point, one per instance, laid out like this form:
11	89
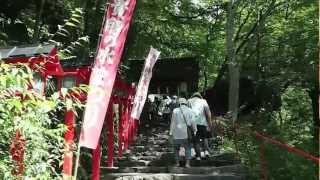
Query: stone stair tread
208	170
226	176
151	157
140	157
170	176
238	169
141	163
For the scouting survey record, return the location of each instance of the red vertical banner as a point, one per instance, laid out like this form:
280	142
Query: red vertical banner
118	17
142	89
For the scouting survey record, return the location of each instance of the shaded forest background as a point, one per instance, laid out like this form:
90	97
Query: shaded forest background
275	48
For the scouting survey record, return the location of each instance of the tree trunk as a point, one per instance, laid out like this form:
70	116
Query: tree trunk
234	72
86	17
314	96
205	86
36	29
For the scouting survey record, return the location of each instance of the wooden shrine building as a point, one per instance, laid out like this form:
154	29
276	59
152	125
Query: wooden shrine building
172	76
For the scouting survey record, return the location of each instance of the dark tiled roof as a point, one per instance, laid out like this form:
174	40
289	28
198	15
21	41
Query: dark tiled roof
25	51
168	69
74	62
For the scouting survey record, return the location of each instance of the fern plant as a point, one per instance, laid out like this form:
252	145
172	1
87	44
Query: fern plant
3	39
70	38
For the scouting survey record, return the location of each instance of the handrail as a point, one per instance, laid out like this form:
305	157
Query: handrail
287	147
263	162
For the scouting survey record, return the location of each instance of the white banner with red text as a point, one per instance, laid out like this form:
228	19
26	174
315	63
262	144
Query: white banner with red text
142	89
117	21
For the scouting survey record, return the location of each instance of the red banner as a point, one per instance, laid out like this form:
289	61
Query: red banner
104	72
142	90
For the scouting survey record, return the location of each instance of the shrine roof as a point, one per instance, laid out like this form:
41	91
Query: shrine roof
168	68
26	51
73	62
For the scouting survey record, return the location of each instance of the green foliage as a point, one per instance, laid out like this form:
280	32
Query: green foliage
36	117
69	37
3	38
293	125
275	40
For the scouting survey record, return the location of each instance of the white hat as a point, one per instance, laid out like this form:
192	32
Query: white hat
183	101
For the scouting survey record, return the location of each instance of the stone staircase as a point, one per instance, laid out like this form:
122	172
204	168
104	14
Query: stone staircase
152	158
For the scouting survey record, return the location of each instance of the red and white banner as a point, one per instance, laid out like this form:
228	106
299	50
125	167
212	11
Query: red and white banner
104	72
142	89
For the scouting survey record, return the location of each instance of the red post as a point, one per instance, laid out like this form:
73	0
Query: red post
126	126
133	130
129	130
110	135
68	137
96	156
59	84
120	130
43	90
130	124
263	163
136	125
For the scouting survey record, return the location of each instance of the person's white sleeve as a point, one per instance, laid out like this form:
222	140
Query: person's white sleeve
172	122
207	109
193	123
189	103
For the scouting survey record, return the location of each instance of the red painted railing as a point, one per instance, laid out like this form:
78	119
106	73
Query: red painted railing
126	131
265	139
69	142
127	128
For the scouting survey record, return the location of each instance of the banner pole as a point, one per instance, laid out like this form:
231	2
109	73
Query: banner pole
77	162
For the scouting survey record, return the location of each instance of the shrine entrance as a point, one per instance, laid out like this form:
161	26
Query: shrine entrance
171	76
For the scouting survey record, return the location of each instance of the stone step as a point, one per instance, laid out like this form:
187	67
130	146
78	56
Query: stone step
196	163
147	153
165	159
160	143
151	157
141	163
207	177
169	176
151	145
234	169
150	148
156	162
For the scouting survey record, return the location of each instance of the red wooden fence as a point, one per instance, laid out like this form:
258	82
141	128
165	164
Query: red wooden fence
263	162
127	127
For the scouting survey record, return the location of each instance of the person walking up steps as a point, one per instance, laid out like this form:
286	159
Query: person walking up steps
202	113
182	117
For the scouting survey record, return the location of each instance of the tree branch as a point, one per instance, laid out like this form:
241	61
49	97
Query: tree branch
261	18
242	25
212	11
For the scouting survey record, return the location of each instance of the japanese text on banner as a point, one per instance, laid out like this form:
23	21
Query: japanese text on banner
104	72
142	90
